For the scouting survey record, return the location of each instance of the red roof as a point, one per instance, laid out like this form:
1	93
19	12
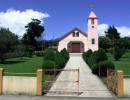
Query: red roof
92	15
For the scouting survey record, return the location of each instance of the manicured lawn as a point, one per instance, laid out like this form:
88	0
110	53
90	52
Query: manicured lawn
123	63
26	65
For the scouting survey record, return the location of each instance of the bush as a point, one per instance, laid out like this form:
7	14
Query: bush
118	53
91	60
86	55
103	67
40	53
58	60
64	54
49	55
48	64
100	55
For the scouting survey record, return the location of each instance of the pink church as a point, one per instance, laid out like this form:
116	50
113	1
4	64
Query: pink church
76	41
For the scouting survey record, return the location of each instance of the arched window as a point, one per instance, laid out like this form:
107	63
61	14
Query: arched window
77	34
73	34
92	21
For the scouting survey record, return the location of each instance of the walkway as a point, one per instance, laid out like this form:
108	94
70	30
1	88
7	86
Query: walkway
90	85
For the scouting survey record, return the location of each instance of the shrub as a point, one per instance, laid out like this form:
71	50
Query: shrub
40	53
58	61
64	54
118	53
91	60
100	55
48	64
87	54
103	67
49	55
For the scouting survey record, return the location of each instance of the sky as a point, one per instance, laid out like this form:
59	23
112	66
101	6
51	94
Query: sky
60	16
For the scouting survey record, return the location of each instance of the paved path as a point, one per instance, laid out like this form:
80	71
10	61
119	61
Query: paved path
25	97
89	86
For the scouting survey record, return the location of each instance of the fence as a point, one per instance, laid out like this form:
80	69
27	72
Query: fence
67	82
126	85
115	82
19	84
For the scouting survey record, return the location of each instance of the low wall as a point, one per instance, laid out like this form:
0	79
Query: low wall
19	85
126	87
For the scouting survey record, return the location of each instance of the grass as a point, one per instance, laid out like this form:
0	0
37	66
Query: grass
26	65
123	63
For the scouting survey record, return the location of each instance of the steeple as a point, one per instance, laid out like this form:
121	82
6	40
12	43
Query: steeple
92	15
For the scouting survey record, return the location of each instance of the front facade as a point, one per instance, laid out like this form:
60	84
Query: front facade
77	41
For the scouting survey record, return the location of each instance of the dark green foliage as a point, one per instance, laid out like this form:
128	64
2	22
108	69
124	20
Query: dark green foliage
112	32
48	64
96	57
100	55
49	55
58	61
55	42
118	53
87	54
105	43
40	53
64	54
91	60
7	42
29	51
103	67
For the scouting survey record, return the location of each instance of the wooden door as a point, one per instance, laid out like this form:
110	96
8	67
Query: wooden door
75	47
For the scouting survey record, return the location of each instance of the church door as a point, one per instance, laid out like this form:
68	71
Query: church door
75	47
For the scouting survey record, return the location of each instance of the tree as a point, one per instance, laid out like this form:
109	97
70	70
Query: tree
118	53
55	42
7	41
33	31
112	32
20	49
123	43
105	43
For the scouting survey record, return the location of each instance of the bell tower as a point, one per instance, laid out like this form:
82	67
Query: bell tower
92	31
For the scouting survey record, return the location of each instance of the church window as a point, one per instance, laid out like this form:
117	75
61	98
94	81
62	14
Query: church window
92	21
93	41
77	34
73	34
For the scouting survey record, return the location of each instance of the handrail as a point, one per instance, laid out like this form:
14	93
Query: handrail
20	73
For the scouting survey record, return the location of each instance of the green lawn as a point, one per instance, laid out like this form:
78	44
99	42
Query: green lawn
123	63
26	65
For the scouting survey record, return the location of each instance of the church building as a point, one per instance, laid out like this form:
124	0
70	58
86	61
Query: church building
77	41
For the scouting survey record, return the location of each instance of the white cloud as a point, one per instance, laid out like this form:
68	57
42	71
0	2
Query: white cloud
102	28
125	31
17	20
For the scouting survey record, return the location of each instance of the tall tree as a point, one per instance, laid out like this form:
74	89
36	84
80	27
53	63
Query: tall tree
7	41
105	43
112	32
33	31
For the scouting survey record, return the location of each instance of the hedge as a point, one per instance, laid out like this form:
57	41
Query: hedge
49	55
40	53
103	67
48	64
59	58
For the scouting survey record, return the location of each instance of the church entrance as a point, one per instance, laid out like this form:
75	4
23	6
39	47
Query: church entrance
75	47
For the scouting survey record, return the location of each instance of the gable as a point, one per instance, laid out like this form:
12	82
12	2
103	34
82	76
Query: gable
73	30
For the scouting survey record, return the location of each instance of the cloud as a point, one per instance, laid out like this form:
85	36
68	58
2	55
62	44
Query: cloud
16	20
102	28
125	31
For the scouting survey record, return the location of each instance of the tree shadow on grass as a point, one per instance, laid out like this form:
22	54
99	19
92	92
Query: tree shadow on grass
12	62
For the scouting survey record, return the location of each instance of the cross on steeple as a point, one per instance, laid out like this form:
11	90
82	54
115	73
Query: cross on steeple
91	7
